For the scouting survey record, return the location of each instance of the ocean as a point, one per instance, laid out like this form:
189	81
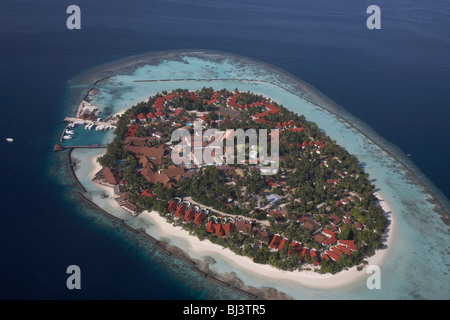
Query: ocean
394	80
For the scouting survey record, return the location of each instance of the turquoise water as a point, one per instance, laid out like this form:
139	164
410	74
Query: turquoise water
417	265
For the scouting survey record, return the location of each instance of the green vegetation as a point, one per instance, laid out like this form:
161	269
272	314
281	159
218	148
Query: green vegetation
315	181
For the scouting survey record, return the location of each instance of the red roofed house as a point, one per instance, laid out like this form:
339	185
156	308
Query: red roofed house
330	241
210	226
218	228
199	218
142	117
229	227
172	206
178	112
324	256
304	253
332	255
180	211
296	247
348	243
282	243
337	251
329	233
148	193
315	258
275	243
151	116
344	249
189	215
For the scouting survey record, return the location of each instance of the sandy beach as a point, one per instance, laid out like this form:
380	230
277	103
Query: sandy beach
193	246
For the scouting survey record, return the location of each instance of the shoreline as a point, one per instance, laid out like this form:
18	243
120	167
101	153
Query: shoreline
307	92
204	248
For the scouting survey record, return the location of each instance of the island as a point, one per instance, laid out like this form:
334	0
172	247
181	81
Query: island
318	212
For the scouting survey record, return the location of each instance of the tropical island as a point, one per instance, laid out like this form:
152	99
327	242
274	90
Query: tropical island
317	212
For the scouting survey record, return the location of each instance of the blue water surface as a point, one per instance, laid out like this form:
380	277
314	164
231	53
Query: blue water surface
394	79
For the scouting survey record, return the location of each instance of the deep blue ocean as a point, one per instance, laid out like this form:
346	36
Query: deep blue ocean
395	79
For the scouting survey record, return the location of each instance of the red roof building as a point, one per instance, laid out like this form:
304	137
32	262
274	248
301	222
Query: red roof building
218	229
227	228
148	193
282	243
295	247
329	233
337	251
180	211
199	217
330	241
315	258
304	253
172	206
210	226
275	243
344	249
332	255
348	243
324	256
189	215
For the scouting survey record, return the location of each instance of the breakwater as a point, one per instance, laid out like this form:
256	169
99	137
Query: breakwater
72	171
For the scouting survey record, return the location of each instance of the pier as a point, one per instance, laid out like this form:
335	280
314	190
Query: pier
94	122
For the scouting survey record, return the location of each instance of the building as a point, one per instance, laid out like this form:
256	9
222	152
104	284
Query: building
107	176
275	242
273	198
199	217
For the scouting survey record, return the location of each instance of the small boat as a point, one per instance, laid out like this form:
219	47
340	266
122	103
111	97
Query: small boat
104	196
67	137
9	139
70	132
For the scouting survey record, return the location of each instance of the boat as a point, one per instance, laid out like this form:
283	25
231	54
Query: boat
70	132
67	137
9	139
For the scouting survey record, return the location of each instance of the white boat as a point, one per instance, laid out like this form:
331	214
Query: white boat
67	137
69	132
87	126
9	139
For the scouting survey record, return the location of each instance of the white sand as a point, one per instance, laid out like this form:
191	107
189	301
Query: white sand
192	245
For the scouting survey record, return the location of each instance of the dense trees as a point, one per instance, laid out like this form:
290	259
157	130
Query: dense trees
304	172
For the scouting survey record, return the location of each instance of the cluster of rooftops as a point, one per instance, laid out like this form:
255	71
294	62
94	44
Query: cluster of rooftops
223	225
153	153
